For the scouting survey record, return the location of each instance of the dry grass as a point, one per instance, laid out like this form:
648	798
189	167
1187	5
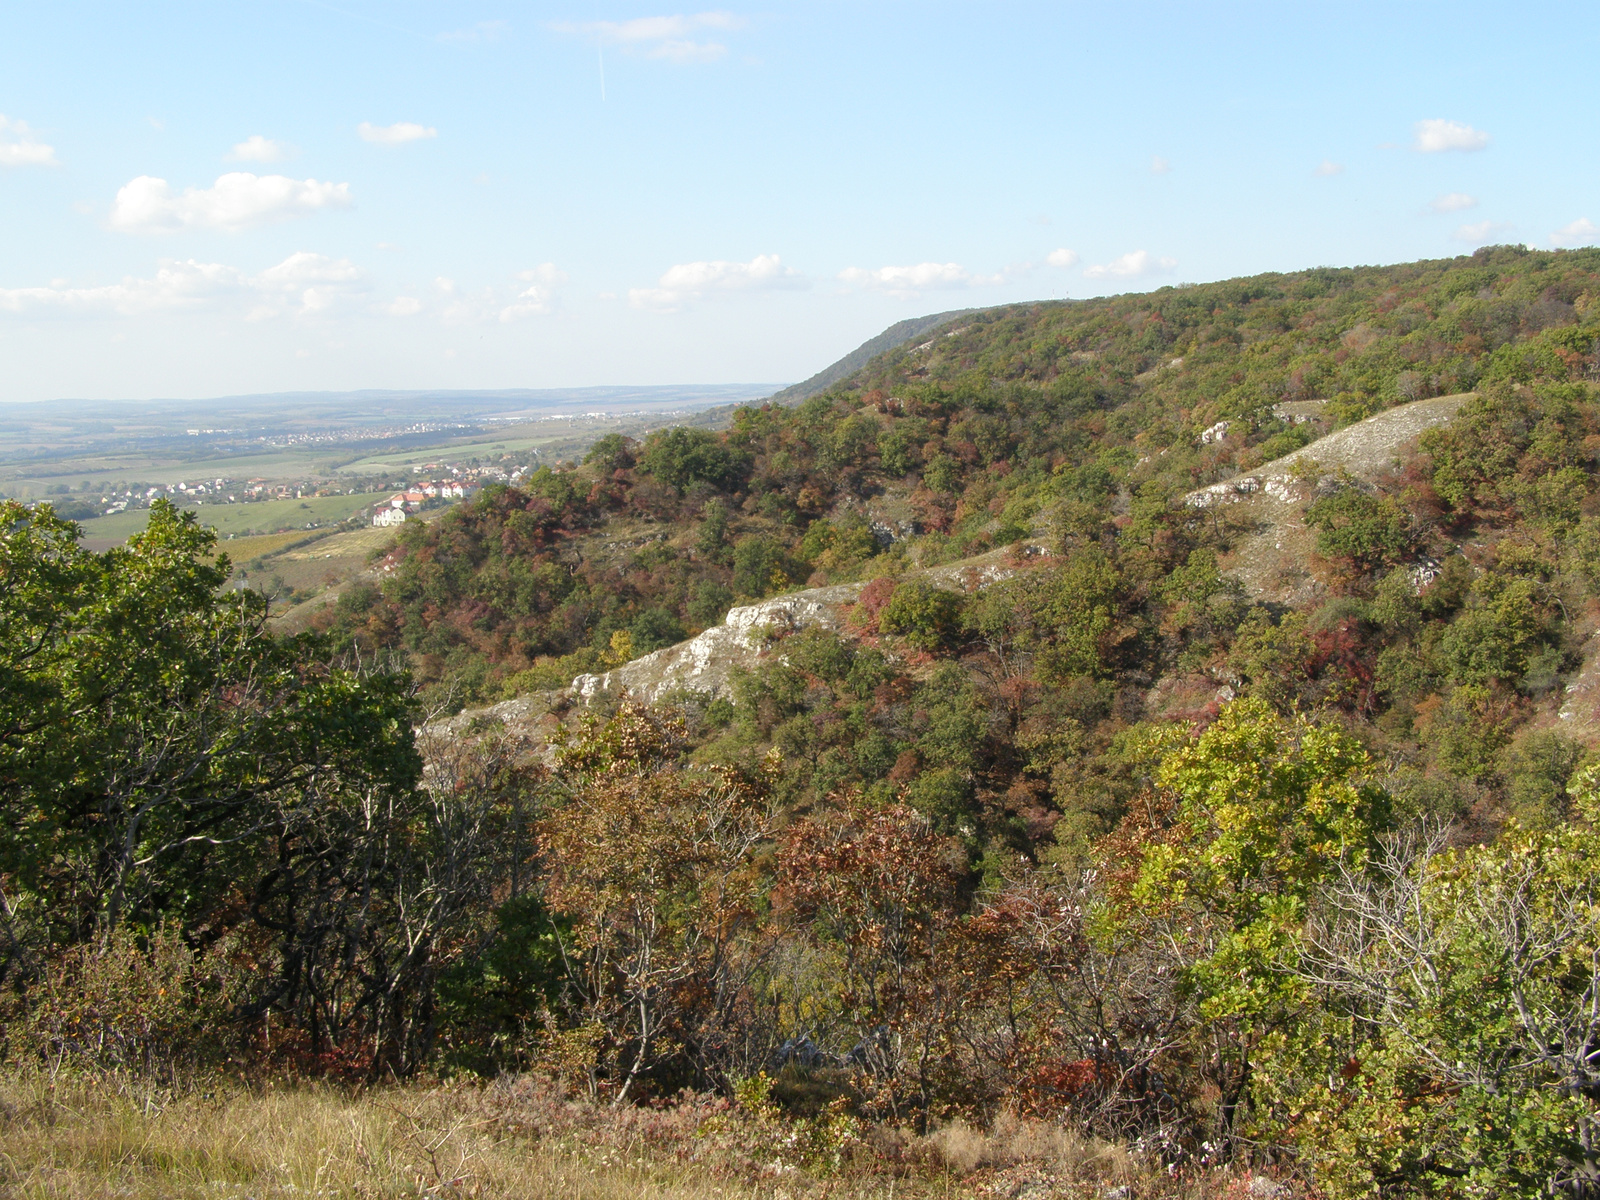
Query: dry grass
87	1141
88	1138
356	545
243	549
1035	1146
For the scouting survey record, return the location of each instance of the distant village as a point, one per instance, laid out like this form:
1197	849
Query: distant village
437	484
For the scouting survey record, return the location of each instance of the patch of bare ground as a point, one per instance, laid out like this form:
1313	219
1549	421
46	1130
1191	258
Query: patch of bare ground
1272	557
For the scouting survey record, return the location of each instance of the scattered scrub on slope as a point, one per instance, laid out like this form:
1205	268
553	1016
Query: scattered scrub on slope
1101	844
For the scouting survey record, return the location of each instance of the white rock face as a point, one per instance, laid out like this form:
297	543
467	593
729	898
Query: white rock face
704	663
1362	449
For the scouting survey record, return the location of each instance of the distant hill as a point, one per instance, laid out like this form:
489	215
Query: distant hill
892	338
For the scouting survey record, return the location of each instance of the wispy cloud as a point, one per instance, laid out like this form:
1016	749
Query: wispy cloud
539	298
535	293
1582	232
1327	168
259	149
238	200
395	135
1435	136
483	31
685	282
19	148
1480	232
673	38
1159	165
1133	265
1453	202
304	284
906	282
1062	258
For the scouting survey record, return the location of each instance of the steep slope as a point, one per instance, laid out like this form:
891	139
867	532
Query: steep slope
1273	558
696	563
899	334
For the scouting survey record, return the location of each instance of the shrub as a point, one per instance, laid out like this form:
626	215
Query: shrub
923	614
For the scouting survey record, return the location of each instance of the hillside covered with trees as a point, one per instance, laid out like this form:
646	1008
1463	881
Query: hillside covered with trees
1101	841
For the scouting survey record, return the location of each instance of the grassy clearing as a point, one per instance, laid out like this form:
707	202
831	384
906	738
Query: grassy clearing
242	549
357	544
104	1137
88	1142
327	562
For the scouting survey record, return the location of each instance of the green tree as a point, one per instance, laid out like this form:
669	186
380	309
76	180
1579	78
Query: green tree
761	566
1253	814
923	614
167	759
681	458
1364	532
1456	1054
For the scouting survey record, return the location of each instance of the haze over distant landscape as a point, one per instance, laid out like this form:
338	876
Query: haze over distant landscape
224	201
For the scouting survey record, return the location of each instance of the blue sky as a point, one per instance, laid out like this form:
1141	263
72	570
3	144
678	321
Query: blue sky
210	198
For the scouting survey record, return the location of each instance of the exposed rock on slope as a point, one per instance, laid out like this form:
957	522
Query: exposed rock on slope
705	663
1272	561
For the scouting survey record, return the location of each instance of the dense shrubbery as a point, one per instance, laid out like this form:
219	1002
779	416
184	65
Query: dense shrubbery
1089	411
1103	842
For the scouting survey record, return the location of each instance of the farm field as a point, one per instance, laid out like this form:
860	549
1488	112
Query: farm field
264	517
313	567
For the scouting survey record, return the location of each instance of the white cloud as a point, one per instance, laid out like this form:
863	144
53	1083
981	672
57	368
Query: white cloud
403	306
259	149
1159	165
1328	168
906	282
317	282
689	281
1453	202
303	267
671	38
1062	258
539	298
681	51
1582	232
1480	232
1436	136
19	148
236	201
395	135
302	284
536	294
1132	265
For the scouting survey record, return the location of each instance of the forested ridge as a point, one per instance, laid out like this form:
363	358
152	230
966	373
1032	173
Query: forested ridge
1102	840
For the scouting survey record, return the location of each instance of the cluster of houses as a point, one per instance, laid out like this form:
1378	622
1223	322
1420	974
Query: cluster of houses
401	503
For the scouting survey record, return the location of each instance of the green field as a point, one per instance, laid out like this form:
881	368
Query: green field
31	480
514	440
237	520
